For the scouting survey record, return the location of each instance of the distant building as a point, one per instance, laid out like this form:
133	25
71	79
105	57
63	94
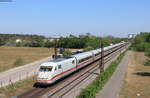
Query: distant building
131	35
53	38
18	40
50	39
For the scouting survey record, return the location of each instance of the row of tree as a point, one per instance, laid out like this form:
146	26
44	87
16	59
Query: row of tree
23	40
84	41
71	41
142	42
81	41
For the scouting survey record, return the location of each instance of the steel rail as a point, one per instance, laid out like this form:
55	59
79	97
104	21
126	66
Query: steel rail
84	74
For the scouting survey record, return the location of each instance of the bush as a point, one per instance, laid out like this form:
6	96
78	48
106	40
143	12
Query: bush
18	61
147	63
147	53
142	47
142	42
49	44
67	53
88	49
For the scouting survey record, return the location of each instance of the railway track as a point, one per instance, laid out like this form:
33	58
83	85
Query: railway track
63	86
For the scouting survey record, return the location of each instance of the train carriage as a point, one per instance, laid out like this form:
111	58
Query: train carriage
97	54
84	59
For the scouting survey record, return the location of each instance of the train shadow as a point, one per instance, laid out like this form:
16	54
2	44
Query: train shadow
143	73
37	85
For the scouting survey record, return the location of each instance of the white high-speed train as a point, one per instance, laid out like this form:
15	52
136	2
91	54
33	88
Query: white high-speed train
51	71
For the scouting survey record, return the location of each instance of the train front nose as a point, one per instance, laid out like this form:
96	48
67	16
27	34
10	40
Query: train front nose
44	74
43	78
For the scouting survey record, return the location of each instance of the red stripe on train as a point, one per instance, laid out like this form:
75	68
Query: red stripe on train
85	62
66	71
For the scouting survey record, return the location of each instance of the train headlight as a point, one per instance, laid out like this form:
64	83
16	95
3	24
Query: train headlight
42	78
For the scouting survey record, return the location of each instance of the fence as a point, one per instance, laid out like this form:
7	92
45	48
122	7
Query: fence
20	73
10	80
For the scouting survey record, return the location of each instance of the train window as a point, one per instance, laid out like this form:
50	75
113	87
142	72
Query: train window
59	66
73	62
45	69
84	59
55	68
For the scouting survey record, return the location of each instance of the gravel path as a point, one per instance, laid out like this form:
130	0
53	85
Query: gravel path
112	88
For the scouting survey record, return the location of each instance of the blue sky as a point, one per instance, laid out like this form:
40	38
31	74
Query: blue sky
64	17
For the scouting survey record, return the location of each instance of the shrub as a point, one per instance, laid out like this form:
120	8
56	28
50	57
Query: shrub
142	42
147	53
142	47
67	53
147	63
88	49
18	61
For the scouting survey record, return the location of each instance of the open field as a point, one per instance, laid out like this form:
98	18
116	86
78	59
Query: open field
137	80
11	57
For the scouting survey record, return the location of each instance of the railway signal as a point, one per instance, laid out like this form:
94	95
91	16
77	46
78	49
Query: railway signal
55	39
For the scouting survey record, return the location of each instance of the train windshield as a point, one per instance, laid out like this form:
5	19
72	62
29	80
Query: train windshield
46	68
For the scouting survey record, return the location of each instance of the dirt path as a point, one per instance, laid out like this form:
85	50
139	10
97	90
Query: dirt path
137	80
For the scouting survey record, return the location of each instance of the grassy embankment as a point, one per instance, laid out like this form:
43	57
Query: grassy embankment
17	88
11	57
97	85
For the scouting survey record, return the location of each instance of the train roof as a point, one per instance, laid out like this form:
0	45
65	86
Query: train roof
48	64
95	51
55	62
59	60
82	55
109	47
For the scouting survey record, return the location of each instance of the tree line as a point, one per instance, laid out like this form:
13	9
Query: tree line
142	43
24	40
84	41
71	41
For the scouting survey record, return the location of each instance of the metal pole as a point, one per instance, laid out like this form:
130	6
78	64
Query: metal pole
1	84
102	56
55	48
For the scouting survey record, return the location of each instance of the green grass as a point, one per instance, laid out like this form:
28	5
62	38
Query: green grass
17	88
97	85
147	62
